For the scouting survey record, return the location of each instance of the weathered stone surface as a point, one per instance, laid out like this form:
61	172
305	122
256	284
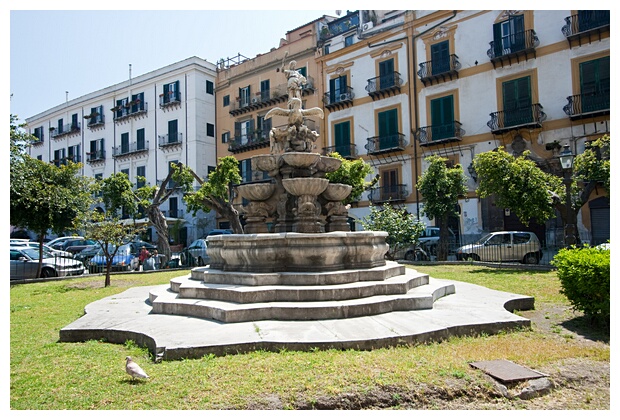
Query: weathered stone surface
536	388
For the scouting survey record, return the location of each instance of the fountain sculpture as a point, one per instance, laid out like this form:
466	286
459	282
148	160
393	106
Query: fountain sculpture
307	267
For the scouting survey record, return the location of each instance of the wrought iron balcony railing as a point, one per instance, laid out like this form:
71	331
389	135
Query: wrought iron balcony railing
130	148
439	69
586	21
588	104
251	141
170	98
513	45
441	133
95	156
341	97
384	144
384	84
174	213
529	117
170	139
388	193
347	151
66	129
132	109
95	120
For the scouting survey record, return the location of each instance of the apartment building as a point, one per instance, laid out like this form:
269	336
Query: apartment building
248	88
402	85
140	127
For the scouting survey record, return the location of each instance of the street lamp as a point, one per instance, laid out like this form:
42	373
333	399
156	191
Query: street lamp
566	161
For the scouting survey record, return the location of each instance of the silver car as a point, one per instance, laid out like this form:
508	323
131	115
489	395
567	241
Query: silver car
503	246
25	261
198	252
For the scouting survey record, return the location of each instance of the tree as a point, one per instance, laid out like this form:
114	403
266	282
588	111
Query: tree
110	233
402	228
353	173
531	193
44	197
441	188
214	192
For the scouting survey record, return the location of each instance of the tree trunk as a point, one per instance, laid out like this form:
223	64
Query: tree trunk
444	239
227	211
157	218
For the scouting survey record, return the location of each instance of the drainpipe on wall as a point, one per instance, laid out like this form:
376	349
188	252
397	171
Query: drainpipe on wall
415	102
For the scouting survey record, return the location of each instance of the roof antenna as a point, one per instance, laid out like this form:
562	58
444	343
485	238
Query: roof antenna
66	96
130	74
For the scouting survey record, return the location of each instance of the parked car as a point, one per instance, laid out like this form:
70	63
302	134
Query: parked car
57	243
426	246
54	252
123	260
87	253
503	246
195	253
25	261
220	232
137	245
76	245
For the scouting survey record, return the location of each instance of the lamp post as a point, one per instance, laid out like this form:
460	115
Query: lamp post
566	161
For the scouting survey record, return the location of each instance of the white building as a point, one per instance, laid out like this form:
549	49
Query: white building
139	126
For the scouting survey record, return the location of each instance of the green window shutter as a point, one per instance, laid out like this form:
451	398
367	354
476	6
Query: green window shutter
172	131
517	102
140	139
386	74
442	118
342	138
497	39
440	57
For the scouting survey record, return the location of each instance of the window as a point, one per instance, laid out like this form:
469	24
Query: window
342	138
173	207
73	153
173	135
509	35
38	133
245	170
59	157
225	137
140	141
171	92
60	125
121	107
348	40
325	49
210	130
389	185
440	58
442	118
226	100
264	90
244	96
243	131
209	87
96	149
140	176
338	89
171	183
386	74
590	19
388	129
125	143
594	83
517	99
96	115
137	102
303	71
74	122
263	126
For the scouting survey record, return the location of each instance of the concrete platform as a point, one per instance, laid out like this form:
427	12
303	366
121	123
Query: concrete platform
128	316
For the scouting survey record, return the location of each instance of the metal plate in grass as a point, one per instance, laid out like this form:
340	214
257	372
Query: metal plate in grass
506	371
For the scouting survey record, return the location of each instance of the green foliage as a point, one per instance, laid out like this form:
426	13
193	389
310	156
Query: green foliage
353	173
441	187
402	228
117	193
213	192
19	139
585	277
518	184
594	164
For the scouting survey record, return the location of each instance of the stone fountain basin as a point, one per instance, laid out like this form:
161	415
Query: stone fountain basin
301	159
256	192
337	192
297	252
305	186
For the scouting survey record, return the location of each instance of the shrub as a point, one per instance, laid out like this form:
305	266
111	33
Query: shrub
584	275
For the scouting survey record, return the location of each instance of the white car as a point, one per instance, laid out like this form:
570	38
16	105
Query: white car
197	252
25	261
503	246
55	252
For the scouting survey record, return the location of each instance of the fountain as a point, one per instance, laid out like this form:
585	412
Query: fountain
298	261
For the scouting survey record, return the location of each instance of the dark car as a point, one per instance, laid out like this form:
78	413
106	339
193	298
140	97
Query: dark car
136	246
87	253
76	245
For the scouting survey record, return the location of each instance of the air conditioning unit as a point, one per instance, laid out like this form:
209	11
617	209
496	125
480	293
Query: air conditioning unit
254	100
343	97
367	26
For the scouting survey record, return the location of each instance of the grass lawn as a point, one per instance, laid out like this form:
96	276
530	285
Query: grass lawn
48	375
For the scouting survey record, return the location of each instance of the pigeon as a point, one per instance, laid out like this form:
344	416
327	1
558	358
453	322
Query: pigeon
134	370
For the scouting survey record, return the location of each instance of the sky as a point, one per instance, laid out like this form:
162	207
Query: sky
53	52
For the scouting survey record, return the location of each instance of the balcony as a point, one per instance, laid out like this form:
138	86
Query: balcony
385	144
384	86
130	149
96	156
260	100
504	121
170	140
169	99
340	26
439	134
436	71
513	48
257	140
388	194
339	99
347	151
586	26
174	213
94	120
66	130
131	110
588	105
